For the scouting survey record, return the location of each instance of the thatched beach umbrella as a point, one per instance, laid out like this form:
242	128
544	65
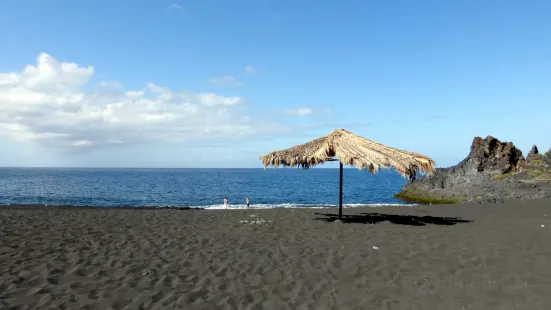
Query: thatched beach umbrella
350	149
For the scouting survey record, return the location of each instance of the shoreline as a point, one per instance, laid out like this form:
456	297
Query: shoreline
46	206
212	207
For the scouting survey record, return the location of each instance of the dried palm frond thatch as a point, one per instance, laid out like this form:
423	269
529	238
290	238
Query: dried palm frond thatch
352	150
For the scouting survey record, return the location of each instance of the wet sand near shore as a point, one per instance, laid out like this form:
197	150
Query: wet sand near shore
491	256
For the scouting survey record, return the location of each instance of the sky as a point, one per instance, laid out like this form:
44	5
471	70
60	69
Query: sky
205	83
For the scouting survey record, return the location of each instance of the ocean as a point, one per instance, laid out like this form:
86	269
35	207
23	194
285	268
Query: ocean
205	188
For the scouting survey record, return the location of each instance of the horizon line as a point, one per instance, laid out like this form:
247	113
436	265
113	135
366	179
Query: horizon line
107	167
189	168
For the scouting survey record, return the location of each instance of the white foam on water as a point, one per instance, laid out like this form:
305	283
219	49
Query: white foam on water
298	205
244	207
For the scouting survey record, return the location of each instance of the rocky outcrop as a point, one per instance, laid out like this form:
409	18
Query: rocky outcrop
546	158
492	172
533	154
493	156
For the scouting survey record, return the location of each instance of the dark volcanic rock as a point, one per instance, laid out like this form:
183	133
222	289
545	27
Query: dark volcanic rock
533	154
491	155
547	158
492	172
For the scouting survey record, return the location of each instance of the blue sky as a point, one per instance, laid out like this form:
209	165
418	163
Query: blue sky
218	83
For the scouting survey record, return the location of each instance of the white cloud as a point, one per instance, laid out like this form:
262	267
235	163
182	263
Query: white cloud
212	99
110	85
227	80
299	111
176	6
46	104
250	70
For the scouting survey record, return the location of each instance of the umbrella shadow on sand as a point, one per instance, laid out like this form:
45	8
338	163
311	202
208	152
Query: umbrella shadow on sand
375	218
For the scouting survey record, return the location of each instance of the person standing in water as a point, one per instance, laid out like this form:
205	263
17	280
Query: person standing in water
247	201
225	202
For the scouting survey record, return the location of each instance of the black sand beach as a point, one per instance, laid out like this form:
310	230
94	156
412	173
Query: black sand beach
490	256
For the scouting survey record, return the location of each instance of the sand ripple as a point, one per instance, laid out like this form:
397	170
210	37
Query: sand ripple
76	258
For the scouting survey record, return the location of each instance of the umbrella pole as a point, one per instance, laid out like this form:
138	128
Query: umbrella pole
340	191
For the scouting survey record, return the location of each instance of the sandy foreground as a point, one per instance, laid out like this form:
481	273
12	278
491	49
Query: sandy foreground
494	256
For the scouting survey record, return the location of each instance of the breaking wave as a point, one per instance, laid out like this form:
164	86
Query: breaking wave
297	205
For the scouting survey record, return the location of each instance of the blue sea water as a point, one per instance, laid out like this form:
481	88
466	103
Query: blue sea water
282	187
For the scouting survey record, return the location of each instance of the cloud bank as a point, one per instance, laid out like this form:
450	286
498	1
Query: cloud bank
52	104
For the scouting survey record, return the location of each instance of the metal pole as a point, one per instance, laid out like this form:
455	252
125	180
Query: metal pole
340	192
